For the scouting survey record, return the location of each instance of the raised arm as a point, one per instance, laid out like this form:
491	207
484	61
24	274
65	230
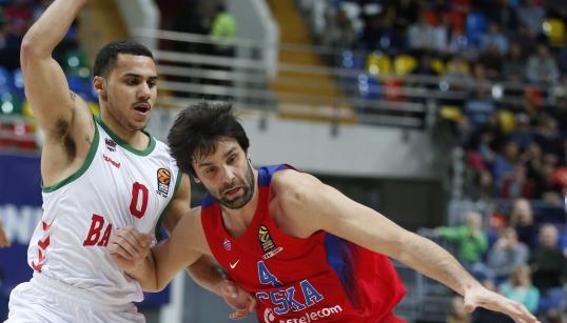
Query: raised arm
63	116
314	206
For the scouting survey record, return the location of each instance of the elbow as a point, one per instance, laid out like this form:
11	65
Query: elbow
30	50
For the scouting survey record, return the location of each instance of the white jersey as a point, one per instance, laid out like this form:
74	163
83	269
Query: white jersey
116	186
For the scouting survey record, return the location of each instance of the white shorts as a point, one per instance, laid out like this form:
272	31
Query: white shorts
42	300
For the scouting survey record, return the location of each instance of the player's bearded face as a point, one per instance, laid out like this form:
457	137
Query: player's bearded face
236	194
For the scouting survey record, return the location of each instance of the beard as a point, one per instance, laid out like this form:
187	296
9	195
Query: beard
247	187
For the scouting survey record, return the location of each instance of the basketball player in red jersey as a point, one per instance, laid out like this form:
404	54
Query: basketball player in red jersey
304	250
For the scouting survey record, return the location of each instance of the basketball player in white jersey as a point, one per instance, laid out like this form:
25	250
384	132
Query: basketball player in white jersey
99	175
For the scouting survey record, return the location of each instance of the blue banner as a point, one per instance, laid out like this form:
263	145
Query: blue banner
20	211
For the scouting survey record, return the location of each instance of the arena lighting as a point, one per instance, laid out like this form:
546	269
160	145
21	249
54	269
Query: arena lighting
497	91
7	107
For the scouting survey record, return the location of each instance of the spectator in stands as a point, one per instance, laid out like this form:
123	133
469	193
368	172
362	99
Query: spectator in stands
513	68
555	316
522	219
516	184
503	14
420	34
223	31
495	38
504	162
471	241
492	60
339	32
9	47
457	311
480	106
506	255
547	135
548	267
520	288
531	15
541	67
18	15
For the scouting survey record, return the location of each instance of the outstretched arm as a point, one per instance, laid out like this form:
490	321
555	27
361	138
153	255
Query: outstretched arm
317	206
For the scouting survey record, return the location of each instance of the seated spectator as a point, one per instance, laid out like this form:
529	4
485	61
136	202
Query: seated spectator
492	60
506	255
522	219
531	15
494	38
503	14
504	162
480	106
513	68
420	34
471	240
516	184
541	67
339	31
520	288
548	267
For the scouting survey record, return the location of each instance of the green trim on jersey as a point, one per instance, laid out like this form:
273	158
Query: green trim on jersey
162	215
88	161
125	145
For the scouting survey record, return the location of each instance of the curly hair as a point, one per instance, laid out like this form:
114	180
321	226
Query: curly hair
198	128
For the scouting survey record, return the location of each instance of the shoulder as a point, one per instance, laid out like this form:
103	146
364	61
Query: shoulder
291	181
297	190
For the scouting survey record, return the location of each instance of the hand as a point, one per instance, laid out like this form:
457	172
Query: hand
481	297
237	298
129	247
4	242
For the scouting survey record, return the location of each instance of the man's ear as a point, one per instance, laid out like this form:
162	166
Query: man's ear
196	179
100	87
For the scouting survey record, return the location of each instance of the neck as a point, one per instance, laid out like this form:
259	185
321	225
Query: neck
134	138
236	221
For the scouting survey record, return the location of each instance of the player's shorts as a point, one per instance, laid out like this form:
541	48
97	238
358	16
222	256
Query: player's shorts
43	300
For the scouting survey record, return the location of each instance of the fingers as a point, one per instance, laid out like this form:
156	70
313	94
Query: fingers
129	243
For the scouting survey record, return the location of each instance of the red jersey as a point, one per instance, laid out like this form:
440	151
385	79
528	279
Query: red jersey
319	279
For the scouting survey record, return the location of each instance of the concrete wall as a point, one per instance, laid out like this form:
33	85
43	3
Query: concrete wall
355	150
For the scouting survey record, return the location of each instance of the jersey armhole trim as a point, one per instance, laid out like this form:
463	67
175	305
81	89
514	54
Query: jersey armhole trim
88	161
164	212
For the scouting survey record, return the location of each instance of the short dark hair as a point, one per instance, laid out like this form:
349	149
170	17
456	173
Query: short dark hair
197	130
107	56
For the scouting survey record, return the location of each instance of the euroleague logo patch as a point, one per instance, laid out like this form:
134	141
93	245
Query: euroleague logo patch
163	181
227	245
267	243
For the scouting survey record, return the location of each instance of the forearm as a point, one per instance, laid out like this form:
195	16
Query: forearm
207	275
430	259
50	28
145	274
